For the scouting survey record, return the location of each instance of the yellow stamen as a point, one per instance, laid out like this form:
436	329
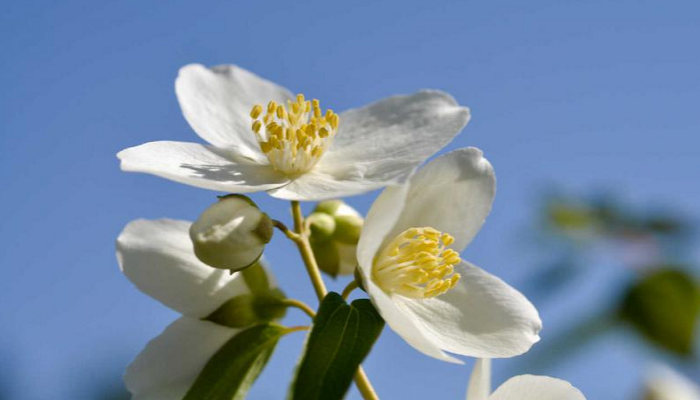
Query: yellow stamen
417	264
294	137
256	111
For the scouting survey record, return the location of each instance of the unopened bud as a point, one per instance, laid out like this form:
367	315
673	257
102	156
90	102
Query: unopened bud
262	303
231	234
322	226
329	207
335	230
348	228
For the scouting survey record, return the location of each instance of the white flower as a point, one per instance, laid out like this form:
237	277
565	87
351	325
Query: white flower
409	260
295	152
521	387
157	256
663	383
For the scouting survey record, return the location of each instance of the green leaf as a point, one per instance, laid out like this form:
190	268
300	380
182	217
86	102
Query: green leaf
230	372
341	337
664	307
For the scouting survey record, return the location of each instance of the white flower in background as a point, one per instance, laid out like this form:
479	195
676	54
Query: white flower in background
334	231
264	138
157	256
521	387
663	383
408	257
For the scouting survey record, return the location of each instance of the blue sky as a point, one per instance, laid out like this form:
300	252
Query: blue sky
585	95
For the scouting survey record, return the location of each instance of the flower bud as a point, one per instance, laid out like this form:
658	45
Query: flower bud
321	226
260	301
231	234
335	230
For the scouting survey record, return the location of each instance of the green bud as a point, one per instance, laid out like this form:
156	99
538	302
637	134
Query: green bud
249	309
348	228
329	207
327	257
321	227
335	230
231	234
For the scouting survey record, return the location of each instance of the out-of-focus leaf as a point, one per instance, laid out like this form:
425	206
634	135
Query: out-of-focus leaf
666	225
340	339
664	306
568	216
230	372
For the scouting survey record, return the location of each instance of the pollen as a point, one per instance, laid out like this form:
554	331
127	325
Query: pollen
417	264
294	136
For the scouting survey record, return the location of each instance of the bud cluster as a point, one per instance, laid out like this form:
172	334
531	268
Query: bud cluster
334	232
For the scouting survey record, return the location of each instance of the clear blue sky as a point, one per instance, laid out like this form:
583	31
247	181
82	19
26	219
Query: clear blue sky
582	94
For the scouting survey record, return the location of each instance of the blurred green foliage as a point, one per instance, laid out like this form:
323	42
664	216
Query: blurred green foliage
664	307
659	295
606	216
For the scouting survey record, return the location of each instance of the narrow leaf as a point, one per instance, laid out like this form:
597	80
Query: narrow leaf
230	372
341	337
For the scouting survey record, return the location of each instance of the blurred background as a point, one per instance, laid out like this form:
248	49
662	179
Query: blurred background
587	110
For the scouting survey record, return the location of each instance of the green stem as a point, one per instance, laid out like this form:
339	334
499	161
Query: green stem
293	329
300	305
349	288
301	239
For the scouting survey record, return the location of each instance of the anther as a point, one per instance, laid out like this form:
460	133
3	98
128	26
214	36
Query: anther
256	111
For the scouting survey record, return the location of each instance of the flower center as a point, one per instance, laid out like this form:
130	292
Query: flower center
417	264
294	137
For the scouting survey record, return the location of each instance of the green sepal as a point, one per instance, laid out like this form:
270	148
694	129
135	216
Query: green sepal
238	196
262	304
229	374
664	307
265	229
359	278
341	337
256	278
250	309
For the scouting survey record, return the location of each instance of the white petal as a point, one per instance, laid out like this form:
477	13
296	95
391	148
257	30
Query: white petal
480	381
217	103
200	166
381	218
452	194
318	184
157	256
402	323
170	363
481	317
381	144
531	387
